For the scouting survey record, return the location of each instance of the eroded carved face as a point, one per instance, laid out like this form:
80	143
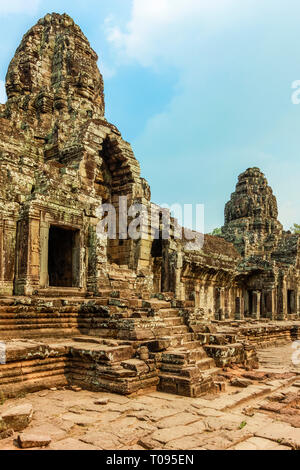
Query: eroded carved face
83	75
13	84
56	66
85	85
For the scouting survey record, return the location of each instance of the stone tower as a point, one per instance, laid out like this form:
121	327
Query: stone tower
54	76
60	159
251	215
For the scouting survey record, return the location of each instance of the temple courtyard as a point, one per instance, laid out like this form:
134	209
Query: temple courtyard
259	410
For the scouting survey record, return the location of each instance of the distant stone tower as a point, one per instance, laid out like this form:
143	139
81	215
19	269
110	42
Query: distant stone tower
251	215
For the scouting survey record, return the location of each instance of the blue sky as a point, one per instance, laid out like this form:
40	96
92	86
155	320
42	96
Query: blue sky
201	89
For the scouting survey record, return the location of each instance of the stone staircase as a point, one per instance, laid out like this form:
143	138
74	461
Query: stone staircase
123	340
185	368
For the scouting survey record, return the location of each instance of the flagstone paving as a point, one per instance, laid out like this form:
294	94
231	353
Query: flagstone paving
263	416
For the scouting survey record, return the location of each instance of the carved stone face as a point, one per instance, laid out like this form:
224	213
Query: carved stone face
13	84
85	85
56	66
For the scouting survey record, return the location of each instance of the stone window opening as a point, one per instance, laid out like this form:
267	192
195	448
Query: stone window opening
63	257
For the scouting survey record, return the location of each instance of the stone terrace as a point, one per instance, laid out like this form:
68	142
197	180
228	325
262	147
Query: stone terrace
258	411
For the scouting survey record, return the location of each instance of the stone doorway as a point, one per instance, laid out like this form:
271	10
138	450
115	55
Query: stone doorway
290	302
249	304
63	257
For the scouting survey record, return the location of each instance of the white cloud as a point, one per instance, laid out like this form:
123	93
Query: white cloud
107	71
18	6
3	97
205	119
285	185
160	29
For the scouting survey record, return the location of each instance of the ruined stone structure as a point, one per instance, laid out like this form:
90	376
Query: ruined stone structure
121	314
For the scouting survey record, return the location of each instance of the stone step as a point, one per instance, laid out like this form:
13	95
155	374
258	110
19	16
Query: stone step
183	303
178	339
163	296
225	355
118	293
136	303
197	354
121	285
108	293
174	321
185	371
177	329
175	356
183	355
122	303
185	385
121	270
218	338
206	364
212	372
195	344
61	292
156	304
168	312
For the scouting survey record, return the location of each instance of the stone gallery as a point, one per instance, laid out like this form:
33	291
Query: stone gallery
120	315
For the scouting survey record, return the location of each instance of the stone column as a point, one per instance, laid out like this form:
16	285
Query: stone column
28	261
8	256
270	304
246	303
222	303
197	295
274	304
44	242
282	301
256	296
33	271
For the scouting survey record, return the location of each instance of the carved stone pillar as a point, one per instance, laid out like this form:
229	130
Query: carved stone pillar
256	298
270	304
44	243
282	301
7	255
28	258
222	304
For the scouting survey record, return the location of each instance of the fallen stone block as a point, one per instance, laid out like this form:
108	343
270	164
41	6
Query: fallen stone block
18	417
30	441
101	401
239	382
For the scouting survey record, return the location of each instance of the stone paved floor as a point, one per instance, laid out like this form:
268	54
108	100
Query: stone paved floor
264	415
